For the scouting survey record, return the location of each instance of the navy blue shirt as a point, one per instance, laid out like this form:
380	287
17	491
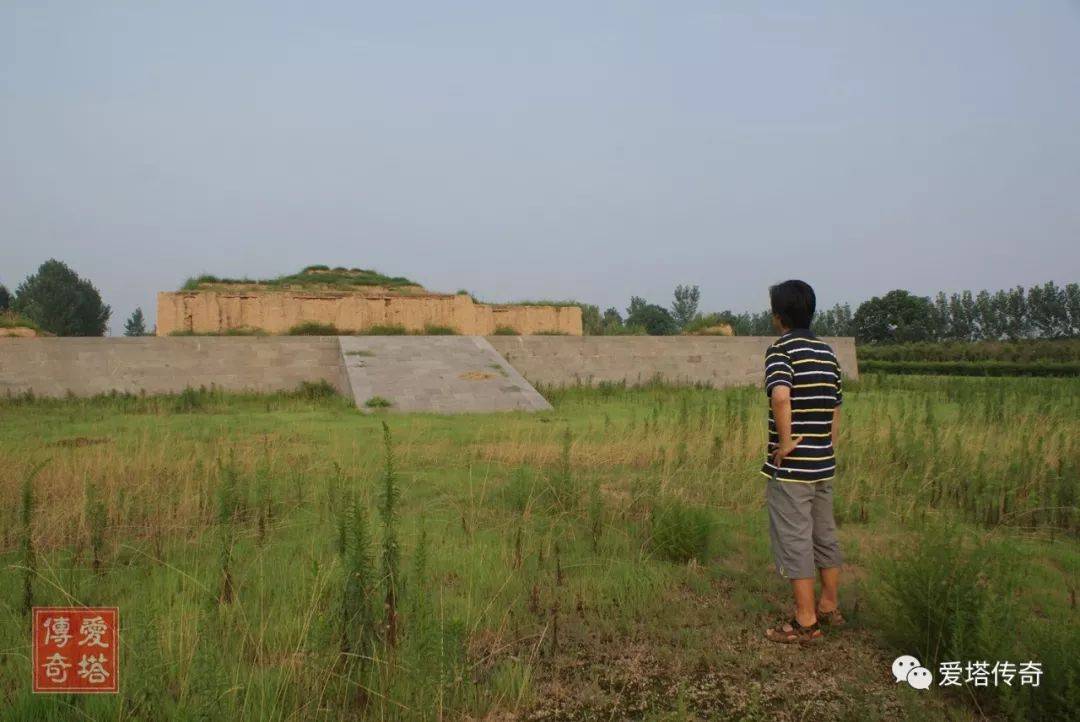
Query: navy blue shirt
807	365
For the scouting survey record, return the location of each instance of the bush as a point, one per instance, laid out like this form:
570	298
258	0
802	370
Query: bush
1061	350
680	531
945	598
314	328
315	390
10	319
432	330
949	596
506	331
970	368
378	402
393	330
317	275
190	399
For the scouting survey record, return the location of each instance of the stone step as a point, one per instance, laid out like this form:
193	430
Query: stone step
437	374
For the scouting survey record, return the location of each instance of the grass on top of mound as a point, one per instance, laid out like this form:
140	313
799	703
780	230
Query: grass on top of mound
11	319
338	277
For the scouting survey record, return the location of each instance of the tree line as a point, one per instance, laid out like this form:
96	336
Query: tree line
57	300
1044	311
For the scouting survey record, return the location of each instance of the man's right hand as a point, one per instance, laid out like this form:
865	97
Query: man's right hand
784	449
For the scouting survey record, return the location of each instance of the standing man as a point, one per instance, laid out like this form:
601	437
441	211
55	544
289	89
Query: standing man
802	381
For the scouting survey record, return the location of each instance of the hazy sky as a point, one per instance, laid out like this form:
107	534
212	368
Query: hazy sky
590	150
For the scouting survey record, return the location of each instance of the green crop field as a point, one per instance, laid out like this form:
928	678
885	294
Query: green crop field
289	557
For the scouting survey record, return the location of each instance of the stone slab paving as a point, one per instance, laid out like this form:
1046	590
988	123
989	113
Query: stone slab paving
438	374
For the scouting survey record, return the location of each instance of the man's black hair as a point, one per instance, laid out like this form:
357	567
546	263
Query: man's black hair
794	302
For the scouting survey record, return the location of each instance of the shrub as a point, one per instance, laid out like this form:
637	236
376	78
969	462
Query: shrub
945	598
242	331
681	531
387	330
318	275
506	331
433	330
949	596
189	400
314	328
378	402
315	390
10	319
1062	350
971	368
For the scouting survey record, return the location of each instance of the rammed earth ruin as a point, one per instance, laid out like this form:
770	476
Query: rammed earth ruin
349	301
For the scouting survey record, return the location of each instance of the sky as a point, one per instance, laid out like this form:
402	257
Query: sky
587	150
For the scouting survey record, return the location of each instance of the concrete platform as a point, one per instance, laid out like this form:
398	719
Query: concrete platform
438	374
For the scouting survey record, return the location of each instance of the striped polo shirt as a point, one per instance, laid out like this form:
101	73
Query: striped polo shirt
807	365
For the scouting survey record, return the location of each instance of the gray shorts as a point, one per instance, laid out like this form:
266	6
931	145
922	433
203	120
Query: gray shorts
802	528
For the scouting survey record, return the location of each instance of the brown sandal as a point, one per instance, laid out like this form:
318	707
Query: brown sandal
792	632
832	619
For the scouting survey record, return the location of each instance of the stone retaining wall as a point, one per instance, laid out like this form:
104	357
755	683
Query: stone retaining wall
719	361
88	366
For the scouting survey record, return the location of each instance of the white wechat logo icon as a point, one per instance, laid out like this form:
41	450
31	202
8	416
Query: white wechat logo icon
906	668
920	678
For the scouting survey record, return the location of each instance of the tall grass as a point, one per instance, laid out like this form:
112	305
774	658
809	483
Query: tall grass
287	556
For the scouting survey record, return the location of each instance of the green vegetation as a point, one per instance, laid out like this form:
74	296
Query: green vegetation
288	556
59	301
1030	351
10	319
972	368
226	332
384	330
433	330
378	402
314	328
506	331
1046	311
136	324
311	276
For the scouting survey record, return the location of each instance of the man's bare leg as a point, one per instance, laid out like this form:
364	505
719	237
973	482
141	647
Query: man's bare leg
803	589
830	589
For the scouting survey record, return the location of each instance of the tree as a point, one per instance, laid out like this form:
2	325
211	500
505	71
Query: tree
60	302
637	303
1072	305
898	316
5	298
942	316
591	324
962	317
1048	310
686	304
1017	324
136	324
612	323
835	321
654	319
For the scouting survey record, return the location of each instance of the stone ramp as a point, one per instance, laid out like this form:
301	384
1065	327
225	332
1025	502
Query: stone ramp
437	374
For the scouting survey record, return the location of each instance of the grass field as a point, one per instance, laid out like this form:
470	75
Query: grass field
288	557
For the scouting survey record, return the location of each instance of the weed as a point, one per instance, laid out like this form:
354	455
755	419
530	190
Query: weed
681	531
